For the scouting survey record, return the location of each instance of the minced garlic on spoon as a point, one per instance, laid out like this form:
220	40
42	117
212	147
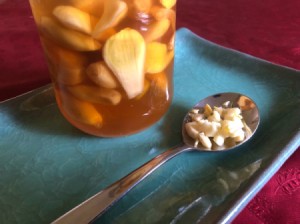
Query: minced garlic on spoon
216	125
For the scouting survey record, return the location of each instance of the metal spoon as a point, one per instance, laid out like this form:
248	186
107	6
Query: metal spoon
93	207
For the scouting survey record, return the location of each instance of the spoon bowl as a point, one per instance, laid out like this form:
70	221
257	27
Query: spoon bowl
89	210
249	112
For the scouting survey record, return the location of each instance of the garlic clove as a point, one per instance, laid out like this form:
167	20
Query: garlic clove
114	12
100	74
168	3
92	7
73	18
71	39
157	30
124	53
160	13
95	94
142	6
157	57
66	66
103	36
69	76
81	111
159	83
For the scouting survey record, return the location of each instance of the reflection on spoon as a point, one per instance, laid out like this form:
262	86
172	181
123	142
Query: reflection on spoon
90	209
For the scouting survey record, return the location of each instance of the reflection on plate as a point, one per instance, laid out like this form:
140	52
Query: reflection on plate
48	167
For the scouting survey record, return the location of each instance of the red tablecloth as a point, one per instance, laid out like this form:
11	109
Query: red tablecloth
269	29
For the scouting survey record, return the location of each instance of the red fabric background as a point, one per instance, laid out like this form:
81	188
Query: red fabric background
268	29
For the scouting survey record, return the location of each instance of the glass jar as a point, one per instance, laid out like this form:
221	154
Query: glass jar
110	61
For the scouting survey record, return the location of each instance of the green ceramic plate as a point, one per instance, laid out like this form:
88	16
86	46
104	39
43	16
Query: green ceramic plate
47	167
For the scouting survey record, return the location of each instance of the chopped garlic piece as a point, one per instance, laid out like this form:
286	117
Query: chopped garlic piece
191	129
207	110
230	113
205	141
239	136
219	126
197	117
219	139
215	116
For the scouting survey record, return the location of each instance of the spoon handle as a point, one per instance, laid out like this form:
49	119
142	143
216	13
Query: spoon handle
88	210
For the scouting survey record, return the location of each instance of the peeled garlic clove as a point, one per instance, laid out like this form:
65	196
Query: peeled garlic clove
89	6
142	6
114	12
81	111
65	66
159	87
100	74
124	53
95	94
72	39
160	13
168	3
68	76
157	57
103	36
73	18
157	30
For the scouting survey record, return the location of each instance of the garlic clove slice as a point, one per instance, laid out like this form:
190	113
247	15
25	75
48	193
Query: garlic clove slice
95	94
114	12
168	3
157	57
72	39
73	18
157	30
100	74
124	53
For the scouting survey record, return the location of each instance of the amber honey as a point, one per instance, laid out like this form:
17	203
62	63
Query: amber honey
111	61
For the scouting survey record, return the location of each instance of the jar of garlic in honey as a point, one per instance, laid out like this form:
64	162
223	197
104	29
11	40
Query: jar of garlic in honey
111	61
